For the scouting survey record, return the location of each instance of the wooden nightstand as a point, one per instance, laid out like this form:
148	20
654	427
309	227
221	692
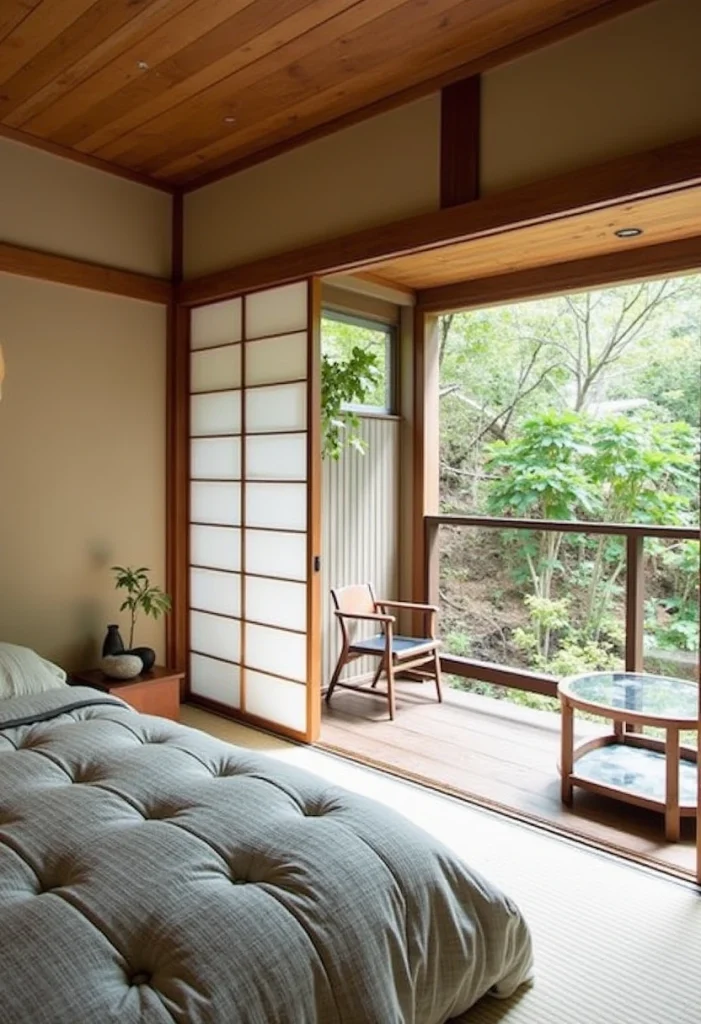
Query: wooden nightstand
153	693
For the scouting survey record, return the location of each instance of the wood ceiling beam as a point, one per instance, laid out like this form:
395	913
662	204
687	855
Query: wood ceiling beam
16	135
660	260
605	11
45	266
460	141
653	172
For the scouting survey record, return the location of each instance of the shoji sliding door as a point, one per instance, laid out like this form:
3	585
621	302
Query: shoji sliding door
254	516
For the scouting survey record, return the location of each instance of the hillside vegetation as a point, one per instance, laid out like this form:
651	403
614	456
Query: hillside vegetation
584	407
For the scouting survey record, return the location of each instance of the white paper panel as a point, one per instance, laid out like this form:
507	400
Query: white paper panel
281	407
276	602
279	555
215	635
276	310
216	546
218	324
215	503
216	414
274	650
216	369
276	506
276	359
276	457
277	700
212	591
215	458
217	680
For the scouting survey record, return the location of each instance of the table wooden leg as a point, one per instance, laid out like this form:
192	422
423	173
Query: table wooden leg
567	751
619	729
671	824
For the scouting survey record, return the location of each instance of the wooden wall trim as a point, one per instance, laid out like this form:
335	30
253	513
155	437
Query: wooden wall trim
460	141
47	146
177	461
660	260
177	239
555	34
46	266
177	489
653	172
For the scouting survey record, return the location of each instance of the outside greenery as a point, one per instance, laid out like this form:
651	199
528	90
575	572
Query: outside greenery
354	375
583	407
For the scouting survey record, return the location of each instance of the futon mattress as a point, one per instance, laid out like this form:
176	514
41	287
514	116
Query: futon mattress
150	873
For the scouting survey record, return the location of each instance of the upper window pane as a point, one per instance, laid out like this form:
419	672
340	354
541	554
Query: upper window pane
340	334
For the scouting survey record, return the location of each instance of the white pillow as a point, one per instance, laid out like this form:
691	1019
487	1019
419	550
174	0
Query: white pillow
22	671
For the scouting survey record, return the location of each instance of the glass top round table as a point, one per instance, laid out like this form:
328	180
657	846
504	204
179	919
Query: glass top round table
662	699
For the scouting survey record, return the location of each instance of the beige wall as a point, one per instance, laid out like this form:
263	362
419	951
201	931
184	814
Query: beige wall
627	85
82	463
371	173
61	206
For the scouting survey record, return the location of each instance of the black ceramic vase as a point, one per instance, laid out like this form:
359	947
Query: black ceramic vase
113	643
147	655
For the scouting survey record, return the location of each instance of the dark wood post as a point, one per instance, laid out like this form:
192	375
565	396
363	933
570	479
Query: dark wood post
635	597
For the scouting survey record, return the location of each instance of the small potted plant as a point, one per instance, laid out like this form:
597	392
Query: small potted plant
141	596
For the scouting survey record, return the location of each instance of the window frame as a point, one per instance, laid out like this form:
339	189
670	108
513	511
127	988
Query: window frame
390	330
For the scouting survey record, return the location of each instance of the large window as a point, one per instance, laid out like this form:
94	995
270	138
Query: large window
581	407
341	333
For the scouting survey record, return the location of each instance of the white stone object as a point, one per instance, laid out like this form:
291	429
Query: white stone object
121	666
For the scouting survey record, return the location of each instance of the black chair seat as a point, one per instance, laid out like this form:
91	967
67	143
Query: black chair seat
401	645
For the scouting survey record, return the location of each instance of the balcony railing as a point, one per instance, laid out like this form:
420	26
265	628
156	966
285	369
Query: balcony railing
523	679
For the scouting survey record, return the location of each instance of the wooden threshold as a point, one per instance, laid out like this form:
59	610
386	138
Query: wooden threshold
234	715
499	756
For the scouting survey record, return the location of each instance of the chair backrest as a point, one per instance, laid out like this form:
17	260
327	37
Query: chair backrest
356	599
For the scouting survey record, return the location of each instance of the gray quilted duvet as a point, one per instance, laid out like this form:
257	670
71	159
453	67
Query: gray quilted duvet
149	873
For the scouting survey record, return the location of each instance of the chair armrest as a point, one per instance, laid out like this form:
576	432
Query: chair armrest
407	604
368	617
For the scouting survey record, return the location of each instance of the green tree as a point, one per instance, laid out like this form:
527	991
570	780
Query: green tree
566	466
540	474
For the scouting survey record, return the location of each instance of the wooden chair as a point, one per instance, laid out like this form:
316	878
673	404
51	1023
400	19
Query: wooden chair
357	603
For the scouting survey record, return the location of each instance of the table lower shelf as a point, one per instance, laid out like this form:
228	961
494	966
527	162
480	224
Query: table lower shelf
629	771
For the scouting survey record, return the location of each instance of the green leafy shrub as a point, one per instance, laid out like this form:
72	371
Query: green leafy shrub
345	381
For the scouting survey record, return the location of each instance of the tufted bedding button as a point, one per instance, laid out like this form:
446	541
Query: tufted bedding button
140	978
314	811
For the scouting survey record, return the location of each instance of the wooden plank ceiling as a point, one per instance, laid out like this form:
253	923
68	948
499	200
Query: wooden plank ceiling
179	89
664	218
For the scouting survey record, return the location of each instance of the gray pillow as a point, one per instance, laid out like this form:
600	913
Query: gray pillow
22	671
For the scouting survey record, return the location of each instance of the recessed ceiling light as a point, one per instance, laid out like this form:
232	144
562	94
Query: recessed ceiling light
142	65
229	120
628	232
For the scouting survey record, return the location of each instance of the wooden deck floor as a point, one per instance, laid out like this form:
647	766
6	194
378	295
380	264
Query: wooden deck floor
499	754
